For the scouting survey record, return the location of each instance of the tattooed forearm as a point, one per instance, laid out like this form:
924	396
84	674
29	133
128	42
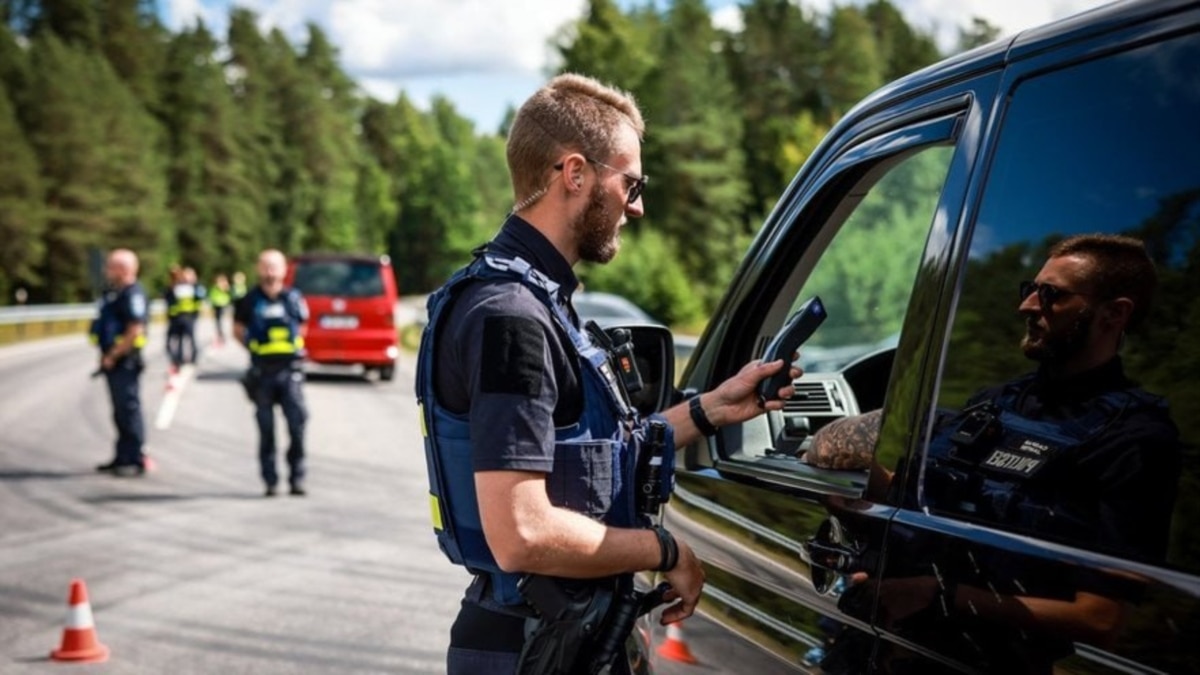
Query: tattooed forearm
848	443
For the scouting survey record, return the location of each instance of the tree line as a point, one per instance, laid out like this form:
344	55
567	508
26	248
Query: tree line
200	150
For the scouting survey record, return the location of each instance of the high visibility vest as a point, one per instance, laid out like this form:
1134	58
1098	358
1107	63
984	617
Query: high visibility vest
274	328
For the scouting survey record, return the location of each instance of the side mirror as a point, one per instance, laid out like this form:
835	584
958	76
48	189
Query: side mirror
654	352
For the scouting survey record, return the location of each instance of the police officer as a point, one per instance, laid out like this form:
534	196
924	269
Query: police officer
183	299
219	298
268	321
120	332
524	428
1074	452
192	311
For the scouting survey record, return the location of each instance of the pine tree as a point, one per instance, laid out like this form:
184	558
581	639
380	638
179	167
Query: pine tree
21	216
693	154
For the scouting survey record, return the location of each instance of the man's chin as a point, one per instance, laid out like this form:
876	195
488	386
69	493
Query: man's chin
1034	350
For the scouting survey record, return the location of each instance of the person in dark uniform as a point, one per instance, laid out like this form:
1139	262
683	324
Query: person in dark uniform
220	298
192	312
120	332
269	321
183	305
523	426
1074	452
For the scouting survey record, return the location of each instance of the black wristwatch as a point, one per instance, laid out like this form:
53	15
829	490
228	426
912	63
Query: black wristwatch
699	418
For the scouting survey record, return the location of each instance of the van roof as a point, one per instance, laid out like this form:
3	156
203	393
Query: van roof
334	255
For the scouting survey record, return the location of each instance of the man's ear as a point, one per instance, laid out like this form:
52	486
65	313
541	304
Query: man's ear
1116	313
572	170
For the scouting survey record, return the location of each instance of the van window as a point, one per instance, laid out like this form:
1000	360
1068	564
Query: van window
343	278
1107	146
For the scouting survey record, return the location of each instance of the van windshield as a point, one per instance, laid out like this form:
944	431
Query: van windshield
345	278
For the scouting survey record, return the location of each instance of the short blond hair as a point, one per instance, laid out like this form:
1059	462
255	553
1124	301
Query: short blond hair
571	113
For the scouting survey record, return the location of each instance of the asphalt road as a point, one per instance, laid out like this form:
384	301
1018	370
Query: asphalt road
189	568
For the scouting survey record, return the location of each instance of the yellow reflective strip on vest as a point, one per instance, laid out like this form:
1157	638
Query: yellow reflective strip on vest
421	415
435	512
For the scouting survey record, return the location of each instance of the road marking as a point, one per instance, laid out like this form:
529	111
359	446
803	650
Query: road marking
170	400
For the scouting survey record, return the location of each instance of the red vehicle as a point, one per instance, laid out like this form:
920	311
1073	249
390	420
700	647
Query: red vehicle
351	304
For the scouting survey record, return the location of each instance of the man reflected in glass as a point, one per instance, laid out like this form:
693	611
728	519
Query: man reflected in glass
1074	452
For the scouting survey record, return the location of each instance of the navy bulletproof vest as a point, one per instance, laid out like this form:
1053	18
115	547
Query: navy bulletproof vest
594	459
117	309
993	464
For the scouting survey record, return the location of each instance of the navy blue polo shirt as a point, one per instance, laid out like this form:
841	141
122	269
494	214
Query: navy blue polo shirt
501	358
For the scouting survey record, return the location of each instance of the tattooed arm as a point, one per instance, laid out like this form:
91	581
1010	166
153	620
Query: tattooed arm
849	444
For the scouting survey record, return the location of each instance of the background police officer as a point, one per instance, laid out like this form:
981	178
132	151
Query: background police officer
183	298
219	298
268	321
504	370
120	332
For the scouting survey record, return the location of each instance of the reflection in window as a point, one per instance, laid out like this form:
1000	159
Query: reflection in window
1116	155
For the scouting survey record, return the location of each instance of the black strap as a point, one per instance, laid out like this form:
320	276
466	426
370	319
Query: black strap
699	418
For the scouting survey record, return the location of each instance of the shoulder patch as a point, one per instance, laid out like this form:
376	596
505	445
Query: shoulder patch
514	350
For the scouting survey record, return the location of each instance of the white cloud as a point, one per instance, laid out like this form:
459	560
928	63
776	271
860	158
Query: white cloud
488	54
944	17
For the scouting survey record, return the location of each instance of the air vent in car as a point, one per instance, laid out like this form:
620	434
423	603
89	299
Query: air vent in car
810	397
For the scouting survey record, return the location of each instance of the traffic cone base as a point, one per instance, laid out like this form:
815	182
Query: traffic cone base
674	648
79	641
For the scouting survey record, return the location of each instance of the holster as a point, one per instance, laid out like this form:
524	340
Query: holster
581	626
250	381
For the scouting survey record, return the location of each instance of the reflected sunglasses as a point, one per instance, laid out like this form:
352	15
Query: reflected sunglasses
1047	294
634	184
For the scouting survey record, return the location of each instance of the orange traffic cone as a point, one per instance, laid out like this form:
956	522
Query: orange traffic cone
674	648
79	641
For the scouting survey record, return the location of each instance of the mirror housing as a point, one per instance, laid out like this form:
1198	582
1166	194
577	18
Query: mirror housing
654	352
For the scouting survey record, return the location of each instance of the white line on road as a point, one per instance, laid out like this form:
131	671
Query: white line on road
170	400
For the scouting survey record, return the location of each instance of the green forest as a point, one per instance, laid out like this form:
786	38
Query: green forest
199	149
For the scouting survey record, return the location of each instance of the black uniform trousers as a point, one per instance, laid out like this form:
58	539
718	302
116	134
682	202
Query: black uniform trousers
181	331
282	384
122	381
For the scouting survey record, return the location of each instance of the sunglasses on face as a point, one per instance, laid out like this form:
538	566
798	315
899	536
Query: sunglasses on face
1047	293
635	185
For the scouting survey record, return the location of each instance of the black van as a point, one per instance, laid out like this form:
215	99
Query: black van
915	221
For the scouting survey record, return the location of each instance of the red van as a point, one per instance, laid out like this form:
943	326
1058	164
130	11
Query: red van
351	305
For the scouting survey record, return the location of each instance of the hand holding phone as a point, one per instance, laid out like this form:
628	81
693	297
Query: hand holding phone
798	328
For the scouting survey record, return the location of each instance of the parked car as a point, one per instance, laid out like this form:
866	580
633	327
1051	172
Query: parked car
914	220
608	309
352	303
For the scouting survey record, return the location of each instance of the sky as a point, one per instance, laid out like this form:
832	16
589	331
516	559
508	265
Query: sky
487	55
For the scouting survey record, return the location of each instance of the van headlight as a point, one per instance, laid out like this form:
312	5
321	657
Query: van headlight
392	352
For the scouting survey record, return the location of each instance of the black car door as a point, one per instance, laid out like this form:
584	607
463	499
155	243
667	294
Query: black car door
1097	134
865	226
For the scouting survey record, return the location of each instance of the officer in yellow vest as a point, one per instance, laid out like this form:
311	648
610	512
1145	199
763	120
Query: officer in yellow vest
220	297
183	299
269	321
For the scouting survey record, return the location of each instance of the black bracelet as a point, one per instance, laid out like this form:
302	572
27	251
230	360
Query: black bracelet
699	418
668	549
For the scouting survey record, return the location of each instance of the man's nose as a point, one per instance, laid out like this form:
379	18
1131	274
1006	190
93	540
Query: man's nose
637	209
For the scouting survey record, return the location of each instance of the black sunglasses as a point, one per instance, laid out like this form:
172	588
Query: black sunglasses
1047	294
635	184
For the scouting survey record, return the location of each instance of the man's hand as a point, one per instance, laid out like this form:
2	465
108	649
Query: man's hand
686	581
736	399
848	443
107	362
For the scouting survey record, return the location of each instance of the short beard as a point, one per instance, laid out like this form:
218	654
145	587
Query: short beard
598	229
1057	349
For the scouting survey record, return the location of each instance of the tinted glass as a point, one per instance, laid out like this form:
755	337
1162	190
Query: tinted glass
1108	146
866	275
347	279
